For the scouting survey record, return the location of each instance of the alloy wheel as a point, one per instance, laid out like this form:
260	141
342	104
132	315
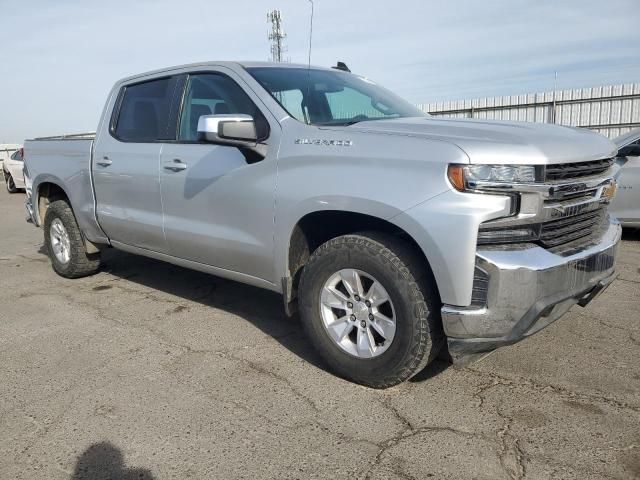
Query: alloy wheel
60	243
358	313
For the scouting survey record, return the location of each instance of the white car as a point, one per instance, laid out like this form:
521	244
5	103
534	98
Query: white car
6	150
12	171
626	203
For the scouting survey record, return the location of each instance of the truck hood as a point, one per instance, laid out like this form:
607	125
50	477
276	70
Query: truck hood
499	142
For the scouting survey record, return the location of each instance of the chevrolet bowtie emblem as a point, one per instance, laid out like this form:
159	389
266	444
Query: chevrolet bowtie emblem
559	208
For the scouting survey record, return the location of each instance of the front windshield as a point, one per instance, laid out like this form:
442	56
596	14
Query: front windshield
325	97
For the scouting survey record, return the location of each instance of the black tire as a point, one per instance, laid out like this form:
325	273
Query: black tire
411	287
8	180
80	263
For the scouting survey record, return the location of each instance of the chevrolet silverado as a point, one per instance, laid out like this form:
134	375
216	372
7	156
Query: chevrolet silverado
393	234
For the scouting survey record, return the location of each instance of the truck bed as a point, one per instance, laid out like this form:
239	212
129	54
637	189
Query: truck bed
71	155
70	136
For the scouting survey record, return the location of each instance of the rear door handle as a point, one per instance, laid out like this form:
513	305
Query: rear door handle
176	165
105	162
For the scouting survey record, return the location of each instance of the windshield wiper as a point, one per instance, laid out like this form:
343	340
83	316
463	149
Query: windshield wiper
368	119
350	122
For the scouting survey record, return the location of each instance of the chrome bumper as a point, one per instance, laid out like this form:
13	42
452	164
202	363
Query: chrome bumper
529	288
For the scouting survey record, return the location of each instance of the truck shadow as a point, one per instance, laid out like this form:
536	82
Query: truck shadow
104	461
262	308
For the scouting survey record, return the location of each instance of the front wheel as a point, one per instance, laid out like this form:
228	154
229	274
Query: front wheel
65	245
11	186
369	305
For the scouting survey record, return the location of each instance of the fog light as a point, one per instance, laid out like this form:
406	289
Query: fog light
510	235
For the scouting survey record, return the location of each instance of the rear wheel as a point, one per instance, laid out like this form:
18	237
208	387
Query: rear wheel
369	306
64	243
11	186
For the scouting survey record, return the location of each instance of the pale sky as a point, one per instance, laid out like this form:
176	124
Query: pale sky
59	58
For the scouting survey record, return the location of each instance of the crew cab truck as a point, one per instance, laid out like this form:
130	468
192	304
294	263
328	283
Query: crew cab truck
393	233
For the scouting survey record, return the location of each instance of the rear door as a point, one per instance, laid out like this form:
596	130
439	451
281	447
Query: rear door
219	205
126	163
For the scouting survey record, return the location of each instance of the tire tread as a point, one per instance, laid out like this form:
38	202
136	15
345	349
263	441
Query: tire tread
413	273
7	177
81	263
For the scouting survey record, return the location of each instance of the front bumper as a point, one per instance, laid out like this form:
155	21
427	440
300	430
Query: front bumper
529	287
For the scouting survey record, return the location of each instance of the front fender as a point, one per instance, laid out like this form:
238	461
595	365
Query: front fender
378	175
446	229
288	222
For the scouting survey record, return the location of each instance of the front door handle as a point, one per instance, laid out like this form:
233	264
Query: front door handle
105	162
176	165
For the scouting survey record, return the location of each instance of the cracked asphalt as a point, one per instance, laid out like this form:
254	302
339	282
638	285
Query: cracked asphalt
151	371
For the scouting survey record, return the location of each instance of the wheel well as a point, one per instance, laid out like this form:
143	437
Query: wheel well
316	228
48	193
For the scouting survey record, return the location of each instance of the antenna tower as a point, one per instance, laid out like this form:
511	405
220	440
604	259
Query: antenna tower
276	36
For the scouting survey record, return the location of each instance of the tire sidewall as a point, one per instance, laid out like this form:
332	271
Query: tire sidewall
8	181
408	303
57	210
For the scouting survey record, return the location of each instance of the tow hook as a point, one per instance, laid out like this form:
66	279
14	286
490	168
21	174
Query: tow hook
594	292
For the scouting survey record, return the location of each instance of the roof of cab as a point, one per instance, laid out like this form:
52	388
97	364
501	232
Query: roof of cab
249	64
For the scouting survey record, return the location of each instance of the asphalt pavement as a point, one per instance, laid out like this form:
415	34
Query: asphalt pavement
150	371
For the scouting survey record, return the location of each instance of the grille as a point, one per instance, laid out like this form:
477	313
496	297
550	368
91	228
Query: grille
568	229
567	171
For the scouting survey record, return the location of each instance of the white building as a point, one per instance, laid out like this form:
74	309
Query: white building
611	110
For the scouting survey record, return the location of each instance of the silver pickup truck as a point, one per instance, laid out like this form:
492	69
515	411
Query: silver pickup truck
394	234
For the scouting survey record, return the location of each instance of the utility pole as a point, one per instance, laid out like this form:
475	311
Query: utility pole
553	107
276	36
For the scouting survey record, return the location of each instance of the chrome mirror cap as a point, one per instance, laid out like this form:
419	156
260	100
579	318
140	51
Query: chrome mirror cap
228	129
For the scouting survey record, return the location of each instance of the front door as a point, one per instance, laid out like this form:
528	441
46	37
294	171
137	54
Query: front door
126	165
219	206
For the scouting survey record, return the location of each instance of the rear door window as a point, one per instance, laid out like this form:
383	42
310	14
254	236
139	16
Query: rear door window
144	111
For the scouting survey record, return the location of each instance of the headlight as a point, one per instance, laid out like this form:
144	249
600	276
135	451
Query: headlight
471	177
501	173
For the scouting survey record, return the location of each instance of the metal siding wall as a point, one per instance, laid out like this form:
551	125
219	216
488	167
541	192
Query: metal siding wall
597	108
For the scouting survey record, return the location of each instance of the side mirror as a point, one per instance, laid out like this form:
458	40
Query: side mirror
629	151
234	130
